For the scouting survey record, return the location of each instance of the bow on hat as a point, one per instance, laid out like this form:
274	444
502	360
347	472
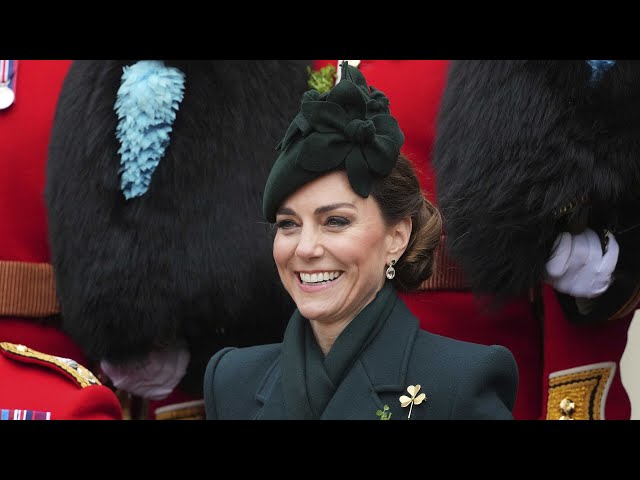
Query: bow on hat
348	126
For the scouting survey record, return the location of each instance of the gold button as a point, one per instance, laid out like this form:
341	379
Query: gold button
567	406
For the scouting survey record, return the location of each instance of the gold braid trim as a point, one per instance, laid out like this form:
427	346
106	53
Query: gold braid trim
584	388
82	376
181	411
27	289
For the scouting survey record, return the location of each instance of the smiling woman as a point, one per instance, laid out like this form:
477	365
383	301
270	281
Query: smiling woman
352	228
331	258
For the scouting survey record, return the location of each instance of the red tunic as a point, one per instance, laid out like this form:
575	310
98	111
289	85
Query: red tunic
27	291
582	363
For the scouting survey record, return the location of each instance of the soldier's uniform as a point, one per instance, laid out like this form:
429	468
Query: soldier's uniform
37	386
582	371
28	305
29	310
529	151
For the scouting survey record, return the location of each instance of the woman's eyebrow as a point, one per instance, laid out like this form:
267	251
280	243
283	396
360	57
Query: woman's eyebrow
319	210
333	206
285	211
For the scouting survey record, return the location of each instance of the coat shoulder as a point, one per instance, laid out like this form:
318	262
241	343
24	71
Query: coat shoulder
243	363
459	355
234	375
472	380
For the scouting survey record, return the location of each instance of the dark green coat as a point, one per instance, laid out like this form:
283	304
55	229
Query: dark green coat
461	380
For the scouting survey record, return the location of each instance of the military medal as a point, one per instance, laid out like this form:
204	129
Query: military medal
7	83
6	97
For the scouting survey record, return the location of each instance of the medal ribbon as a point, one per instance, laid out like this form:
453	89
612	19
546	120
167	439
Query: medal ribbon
8	70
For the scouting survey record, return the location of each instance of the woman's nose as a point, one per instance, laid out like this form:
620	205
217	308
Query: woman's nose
309	244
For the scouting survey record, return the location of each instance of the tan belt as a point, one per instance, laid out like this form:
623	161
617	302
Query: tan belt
27	290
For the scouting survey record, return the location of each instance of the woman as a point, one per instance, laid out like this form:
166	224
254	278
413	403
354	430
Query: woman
353	227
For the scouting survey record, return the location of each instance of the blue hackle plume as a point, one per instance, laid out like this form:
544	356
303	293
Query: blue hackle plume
598	68
147	102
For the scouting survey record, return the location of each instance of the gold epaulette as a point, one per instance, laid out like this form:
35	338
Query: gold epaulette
82	376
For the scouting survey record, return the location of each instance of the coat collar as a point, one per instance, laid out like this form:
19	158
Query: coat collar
382	368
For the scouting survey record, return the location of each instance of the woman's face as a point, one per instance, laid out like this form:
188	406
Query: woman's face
331	248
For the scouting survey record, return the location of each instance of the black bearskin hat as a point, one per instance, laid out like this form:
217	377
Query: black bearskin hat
527	149
151	247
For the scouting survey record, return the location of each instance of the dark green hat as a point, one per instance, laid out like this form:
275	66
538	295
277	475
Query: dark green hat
348	127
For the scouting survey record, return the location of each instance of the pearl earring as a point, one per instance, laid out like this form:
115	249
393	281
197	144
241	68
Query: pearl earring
391	272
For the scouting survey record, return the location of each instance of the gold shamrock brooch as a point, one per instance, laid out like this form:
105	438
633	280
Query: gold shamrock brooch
413	399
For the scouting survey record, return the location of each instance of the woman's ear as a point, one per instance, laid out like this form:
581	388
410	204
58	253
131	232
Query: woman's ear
399	235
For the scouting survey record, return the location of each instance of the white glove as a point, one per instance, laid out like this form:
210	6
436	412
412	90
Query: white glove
577	266
153	378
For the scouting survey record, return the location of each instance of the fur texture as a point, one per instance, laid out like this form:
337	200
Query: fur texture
519	139
192	257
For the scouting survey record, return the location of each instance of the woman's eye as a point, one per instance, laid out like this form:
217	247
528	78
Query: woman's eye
285	224
337	222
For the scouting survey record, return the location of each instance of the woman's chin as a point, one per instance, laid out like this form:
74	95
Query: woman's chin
313	310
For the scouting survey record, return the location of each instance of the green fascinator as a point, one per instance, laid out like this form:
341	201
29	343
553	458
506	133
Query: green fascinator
348	127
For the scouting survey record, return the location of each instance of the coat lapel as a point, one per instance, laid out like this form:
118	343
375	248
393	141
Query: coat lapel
379	376
269	395
355	398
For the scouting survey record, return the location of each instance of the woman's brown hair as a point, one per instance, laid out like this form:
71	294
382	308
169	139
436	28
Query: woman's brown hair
399	196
